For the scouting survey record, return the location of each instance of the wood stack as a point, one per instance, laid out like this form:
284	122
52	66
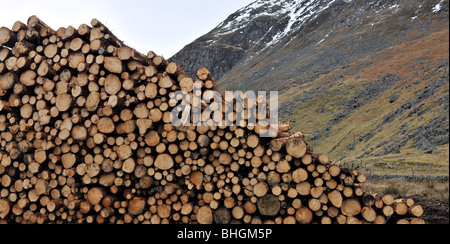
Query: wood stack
86	137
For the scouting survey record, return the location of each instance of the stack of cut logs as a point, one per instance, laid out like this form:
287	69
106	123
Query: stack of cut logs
86	137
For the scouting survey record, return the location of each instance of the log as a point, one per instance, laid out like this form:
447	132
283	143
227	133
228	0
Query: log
416	211
334	170
283	167
4	208
388	211
403	222
129	166
205	215
124	152
260	189
36	23
125	53
64	102
113	65
76	59
107	33
152	138
361	178
7	37
197	178
92	101
351	207
204	74
222	216
238	212
304	216
79	133
40	156
187	85
300	175
28	78
335	198
44	70
165	81
106	125
172	68
401	208
304	188
369	200
51	50
68	160
369	214
417	221
84	30
95	196
164	162
112	84
136	206
314	204
42	187
388	200
8	80
380	220
269	205
253	141
296	147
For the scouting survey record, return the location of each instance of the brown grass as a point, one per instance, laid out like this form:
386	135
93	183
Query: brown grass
404	188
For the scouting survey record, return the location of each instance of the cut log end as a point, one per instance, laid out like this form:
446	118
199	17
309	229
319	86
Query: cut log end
4	208
269	205
205	216
296	147
351	207
164	162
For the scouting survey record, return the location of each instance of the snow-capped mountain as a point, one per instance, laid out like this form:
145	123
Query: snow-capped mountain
294	13
376	69
265	23
255	27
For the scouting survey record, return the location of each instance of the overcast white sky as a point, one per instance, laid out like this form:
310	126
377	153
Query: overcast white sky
162	26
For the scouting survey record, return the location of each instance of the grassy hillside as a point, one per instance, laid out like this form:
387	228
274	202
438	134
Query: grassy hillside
381	83
370	122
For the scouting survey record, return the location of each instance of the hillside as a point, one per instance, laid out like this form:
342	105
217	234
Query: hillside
375	73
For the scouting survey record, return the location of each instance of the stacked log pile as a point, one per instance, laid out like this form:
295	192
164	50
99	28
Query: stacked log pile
86	137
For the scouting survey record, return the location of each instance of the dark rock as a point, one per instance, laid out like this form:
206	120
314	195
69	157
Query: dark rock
394	98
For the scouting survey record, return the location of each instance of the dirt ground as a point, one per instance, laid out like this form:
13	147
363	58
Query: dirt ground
436	210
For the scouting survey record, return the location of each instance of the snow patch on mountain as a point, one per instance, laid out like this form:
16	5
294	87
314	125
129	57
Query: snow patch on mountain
438	7
246	14
304	11
326	36
296	13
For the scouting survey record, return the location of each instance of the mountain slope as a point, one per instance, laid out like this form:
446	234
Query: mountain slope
374	73
244	31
